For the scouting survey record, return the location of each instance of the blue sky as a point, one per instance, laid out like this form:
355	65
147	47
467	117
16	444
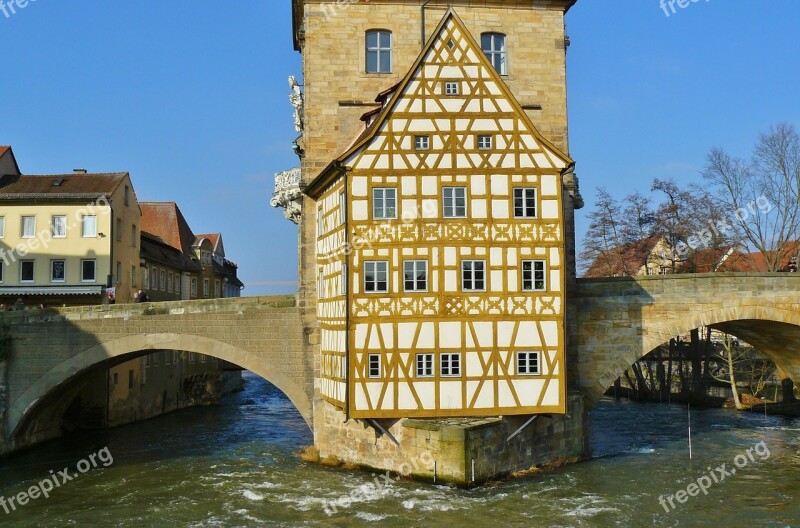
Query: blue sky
190	97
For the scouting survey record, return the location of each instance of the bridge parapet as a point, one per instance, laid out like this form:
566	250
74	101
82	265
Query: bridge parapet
116	311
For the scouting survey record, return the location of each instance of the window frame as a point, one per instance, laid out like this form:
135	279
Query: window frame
374	362
454	202
375	272
2	226
415	279
449	368
383	191
424	364
472	271
63	222
451	88
378	50
533	271
83	269
2	271
527	363
83	226
22	226
525	202
63	271
22	264
419	140
493	52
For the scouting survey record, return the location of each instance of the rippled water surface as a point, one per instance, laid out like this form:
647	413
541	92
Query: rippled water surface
234	465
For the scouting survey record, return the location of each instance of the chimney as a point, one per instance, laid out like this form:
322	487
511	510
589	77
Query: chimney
80	171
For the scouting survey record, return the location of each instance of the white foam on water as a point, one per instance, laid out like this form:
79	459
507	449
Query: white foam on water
250	495
370	517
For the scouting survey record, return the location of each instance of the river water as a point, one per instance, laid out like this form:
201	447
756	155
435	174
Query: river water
234	465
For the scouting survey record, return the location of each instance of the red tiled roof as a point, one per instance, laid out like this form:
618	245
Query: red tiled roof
64	186
216	242
165	220
4	149
756	262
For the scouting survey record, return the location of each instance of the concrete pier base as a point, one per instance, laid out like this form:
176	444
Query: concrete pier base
460	451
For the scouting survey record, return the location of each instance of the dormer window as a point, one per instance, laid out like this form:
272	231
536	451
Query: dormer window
494	46
379	51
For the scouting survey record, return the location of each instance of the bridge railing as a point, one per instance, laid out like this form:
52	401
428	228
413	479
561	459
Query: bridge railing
106	311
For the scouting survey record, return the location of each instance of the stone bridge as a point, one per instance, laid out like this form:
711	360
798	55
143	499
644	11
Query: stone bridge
619	320
42	350
622	319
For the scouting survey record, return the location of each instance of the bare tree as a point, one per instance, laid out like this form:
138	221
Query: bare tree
605	235
763	193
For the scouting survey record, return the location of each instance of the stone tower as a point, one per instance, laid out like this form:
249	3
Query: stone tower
355	50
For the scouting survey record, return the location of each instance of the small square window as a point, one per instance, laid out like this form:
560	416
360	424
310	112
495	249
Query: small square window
528	363
422	142
374	365
451	365
485	142
452	88
424	365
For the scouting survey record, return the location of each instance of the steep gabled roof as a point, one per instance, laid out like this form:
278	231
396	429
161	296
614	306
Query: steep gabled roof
60	186
431	55
623	260
216	242
165	220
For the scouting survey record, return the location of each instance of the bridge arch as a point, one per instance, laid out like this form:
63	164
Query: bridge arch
100	353
775	332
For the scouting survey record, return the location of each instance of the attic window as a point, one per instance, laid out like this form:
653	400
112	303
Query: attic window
451	88
451	44
57	182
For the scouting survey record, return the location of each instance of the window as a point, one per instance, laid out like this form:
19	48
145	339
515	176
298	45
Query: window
130	379
88	271
415	275
451	364
344	279
321	285
320	224
127	195
473	275
485	142
58	271
116	378
376	277
525	203
162	280
191	357
119	229
28	227
384	203
494	46
170	279
424	365
119	273
89	226
154	278
133	275
205	287
177	283
374	365
194	287
145	277
533	275
2	226
452	88
59	227
1	271
155	359
133	235
167	357
528	363
342	208
216	288
379	51
422	142
455	202
26	268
